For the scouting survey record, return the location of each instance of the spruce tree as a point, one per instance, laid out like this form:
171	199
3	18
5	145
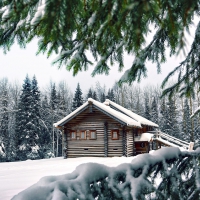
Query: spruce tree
26	131
90	94
78	99
94	95
187	121
4	123
147	114
154	111
46	127
54	117
112	96
36	119
163	115
103	98
53	97
172	126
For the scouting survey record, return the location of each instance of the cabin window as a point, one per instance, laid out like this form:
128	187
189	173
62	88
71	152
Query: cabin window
83	135
115	134
73	135
93	135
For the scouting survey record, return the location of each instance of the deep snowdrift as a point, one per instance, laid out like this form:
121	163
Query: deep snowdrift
17	176
145	175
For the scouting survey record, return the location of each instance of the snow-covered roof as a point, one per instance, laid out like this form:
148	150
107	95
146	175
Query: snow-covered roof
138	118
129	121
144	137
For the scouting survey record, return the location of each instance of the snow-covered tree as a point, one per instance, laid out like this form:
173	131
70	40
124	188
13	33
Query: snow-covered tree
46	127
89	94
147	112
163	115
26	131
102	98
4	126
186	121
171	126
94	95
78	99
154	111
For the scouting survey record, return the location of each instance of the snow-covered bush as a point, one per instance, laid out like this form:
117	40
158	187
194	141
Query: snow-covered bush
166	174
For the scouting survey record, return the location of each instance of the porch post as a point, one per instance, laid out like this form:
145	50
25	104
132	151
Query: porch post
105	139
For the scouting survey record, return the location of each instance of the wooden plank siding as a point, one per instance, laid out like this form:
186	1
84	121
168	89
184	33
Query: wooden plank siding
93	119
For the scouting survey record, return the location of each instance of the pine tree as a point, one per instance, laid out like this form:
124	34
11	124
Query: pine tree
90	95
187	121
171	126
147	114
46	127
4	122
108	95
163	117
94	95
112	96
154	111
78	99
53	98
196	130
53	110
26	131
36	119
103	98
61	108
138	107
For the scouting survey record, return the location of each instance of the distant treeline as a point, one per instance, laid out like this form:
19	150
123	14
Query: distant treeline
27	114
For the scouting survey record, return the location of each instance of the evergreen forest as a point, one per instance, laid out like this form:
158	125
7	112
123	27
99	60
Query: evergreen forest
27	114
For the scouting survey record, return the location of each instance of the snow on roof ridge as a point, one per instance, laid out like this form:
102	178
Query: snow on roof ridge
133	115
126	119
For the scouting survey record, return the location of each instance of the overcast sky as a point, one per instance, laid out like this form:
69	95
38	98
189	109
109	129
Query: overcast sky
18	62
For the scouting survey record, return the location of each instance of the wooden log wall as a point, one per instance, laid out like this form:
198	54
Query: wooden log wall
94	120
106	139
124	141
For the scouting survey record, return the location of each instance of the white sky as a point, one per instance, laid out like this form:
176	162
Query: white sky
18	62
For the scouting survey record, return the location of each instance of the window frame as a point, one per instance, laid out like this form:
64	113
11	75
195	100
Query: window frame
80	134
90	133
72	131
112	133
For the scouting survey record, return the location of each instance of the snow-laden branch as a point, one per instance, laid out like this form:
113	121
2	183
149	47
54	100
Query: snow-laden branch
146	175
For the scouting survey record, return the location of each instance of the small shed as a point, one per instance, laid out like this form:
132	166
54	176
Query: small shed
105	130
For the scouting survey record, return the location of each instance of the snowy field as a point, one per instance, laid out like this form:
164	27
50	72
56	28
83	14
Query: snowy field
17	176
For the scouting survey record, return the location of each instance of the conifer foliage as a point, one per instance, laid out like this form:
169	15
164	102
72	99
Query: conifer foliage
27	122
108	28
78	99
154	111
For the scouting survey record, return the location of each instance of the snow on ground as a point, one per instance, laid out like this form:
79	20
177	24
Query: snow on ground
17	176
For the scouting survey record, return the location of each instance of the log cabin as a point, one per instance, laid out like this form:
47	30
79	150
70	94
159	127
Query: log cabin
104	130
